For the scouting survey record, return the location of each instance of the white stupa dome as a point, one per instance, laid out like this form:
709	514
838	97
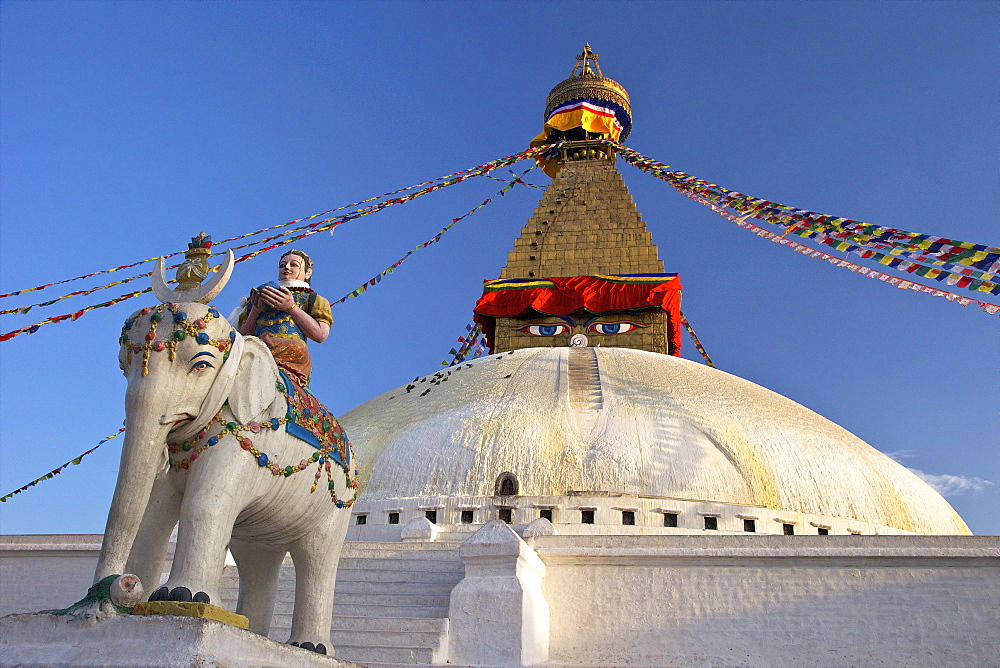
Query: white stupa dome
619	421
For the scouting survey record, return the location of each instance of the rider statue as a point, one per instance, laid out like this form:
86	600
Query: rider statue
287	313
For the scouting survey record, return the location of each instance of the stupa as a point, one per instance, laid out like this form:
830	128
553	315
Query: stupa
613	503
587	411
585	496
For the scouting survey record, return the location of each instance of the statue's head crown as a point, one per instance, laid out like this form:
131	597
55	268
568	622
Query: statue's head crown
191	273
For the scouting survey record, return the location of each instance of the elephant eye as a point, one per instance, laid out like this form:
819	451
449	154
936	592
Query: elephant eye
614	326
200	361
544	330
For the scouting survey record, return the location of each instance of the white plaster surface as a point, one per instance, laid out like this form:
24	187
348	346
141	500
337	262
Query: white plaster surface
48	640
498	614
773	600
705	600
419	529
667	427
566	517
45	572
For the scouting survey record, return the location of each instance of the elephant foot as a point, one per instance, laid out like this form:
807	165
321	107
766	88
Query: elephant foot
319	648
179	594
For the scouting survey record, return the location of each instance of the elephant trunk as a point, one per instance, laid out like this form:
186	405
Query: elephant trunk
143	455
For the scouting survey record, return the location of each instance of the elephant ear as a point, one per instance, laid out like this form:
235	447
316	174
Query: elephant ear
253	390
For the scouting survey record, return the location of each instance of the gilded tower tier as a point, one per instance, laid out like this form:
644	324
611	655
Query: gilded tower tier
586	226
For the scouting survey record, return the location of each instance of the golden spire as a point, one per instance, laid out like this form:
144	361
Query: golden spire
586	64
586	81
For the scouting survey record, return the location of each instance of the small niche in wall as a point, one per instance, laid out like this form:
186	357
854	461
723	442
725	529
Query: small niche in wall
432	516
628	517
711	523
545	514
506	484
586	517
823	531
750	526
505	514
788	529
467	517
670	519
393	518
361	519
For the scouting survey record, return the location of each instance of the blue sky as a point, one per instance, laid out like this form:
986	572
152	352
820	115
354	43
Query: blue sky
126	128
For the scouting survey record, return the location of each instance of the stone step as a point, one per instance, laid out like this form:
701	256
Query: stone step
436	597
381	639
370	575
380	610
398	564
377	588
383	606
282	617
405	655
395	599
390	624
353	548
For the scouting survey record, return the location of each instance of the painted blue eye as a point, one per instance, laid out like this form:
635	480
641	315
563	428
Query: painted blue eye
544	330
614	327
201	365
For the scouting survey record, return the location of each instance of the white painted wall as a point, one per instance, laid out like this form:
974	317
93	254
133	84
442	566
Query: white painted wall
46	572
773	600
696	600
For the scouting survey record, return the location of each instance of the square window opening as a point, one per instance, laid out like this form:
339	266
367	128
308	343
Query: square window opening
545	514
711	523
586	516
750	526
432	516
822	531
506	515
628	517
670	519
361	519
393	518
788	529
466	517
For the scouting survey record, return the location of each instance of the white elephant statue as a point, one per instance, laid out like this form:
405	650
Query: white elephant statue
207	448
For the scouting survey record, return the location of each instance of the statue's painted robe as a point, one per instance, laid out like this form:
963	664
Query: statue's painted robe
287	342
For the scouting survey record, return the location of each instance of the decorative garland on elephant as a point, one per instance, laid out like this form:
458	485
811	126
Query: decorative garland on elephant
306	419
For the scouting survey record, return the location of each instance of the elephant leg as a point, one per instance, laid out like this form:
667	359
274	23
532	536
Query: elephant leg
149	551
259	567
203	532
316	558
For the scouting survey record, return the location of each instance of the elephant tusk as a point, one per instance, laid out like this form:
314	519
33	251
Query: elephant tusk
202	294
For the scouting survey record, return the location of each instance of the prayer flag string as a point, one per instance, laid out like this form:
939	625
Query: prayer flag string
902	284
959	263
471	343
475	171
322	226
56	471
473	346
696	341
372	282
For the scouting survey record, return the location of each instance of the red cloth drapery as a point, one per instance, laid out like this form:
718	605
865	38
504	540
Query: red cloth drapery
562	295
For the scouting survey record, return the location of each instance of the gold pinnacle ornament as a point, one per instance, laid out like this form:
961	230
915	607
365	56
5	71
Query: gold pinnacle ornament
195	267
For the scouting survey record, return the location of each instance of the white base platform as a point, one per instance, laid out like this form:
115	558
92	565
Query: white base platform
48	640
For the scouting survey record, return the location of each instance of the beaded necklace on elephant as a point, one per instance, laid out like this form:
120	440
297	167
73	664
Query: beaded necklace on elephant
183	329
321	457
